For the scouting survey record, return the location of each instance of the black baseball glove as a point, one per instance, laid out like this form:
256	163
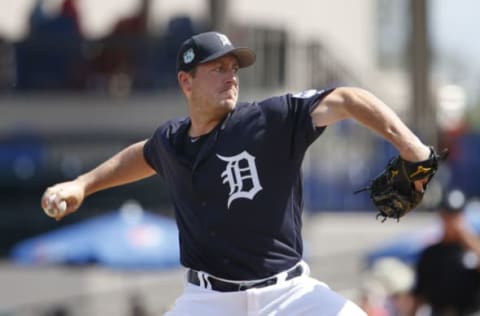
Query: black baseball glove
393	191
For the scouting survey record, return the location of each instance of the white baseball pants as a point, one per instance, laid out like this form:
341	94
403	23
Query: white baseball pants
300	296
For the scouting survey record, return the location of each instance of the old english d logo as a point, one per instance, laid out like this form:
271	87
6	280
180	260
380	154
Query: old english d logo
241	175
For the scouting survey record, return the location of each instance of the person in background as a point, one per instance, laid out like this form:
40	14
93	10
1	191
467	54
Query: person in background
448	272
386	288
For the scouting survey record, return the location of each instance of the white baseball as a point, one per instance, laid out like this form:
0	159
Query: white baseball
62	206
55	209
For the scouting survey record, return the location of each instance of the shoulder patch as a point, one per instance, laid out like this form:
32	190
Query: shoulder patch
306	93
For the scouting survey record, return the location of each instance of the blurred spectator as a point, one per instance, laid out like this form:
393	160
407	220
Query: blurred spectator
51	55
387	288
56	56
448	272
115	60
179	28
65	19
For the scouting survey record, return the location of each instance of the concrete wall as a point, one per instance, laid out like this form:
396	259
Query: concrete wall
53	114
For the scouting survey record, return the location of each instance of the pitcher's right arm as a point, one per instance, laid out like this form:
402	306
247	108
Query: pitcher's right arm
128	165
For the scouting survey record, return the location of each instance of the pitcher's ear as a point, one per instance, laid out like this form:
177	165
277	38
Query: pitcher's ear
185	81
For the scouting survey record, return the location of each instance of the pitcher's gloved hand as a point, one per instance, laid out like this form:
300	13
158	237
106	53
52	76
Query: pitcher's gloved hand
393	191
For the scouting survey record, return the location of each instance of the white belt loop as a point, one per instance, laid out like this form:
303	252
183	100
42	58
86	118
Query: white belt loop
207	282
204	282
201	279
306	268
282	277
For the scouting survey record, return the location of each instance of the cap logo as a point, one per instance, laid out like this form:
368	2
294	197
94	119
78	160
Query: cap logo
188	56
225	41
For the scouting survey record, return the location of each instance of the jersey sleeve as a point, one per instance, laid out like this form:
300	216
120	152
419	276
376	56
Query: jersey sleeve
292	114
152	151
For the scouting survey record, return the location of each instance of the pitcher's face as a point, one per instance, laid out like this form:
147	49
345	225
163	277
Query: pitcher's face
214	85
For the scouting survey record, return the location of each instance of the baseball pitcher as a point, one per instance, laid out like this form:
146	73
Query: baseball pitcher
233	171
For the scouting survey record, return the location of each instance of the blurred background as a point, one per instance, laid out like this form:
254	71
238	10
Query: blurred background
82	79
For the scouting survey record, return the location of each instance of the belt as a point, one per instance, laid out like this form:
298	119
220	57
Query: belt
210	282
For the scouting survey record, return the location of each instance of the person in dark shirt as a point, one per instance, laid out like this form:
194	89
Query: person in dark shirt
234	175
447	273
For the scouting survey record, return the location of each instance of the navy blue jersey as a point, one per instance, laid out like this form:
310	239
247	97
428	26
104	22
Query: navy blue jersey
238	194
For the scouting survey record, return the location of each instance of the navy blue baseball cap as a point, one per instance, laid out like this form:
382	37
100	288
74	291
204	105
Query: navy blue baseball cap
205	47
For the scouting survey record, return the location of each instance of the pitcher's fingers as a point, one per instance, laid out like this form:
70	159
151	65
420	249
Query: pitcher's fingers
61	210
420	185
44	202
48	197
